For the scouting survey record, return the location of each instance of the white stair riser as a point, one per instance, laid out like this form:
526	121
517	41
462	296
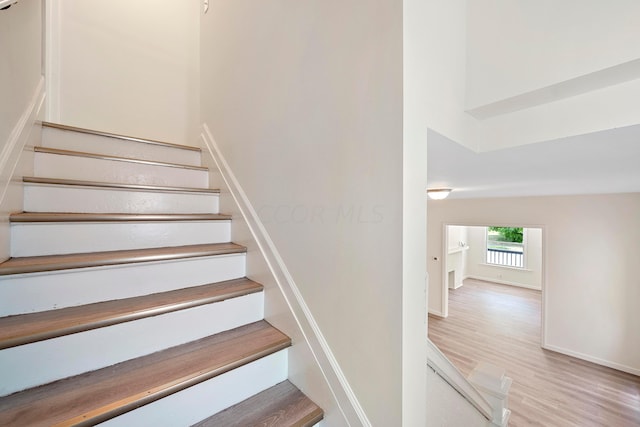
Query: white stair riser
26	293
42	362
205	399
35	239
92	169
58	198
75	141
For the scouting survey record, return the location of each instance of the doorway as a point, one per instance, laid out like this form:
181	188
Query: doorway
511	255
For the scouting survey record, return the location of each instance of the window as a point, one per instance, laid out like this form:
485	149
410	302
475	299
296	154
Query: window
504	246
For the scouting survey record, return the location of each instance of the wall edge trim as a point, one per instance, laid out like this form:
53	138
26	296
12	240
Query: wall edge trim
437	314
502	282
18	137
592	359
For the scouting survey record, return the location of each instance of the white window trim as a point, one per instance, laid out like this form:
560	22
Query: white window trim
525	251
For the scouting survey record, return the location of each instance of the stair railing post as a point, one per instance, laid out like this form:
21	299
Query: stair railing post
491	381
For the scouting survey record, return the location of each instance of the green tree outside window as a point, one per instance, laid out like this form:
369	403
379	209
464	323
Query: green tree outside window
508	234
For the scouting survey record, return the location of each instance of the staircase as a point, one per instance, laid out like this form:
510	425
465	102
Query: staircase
125	302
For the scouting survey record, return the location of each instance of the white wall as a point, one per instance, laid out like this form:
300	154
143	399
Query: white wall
591	249
128	67
457	237
446	28
305	103
20	68
415	94
517	46
528	277
456	255
304	371
21	95
538	71
481	52
543	70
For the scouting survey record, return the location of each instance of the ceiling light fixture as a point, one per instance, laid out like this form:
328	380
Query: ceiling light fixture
438	193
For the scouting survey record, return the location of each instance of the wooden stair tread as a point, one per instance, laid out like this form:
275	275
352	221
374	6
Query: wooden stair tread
97	259
118	136
282	405
27	328
99	184
96	396
109	217
58	151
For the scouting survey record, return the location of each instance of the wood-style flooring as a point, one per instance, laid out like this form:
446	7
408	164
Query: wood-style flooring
500	324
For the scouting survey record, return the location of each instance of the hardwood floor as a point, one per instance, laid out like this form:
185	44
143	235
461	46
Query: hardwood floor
500	324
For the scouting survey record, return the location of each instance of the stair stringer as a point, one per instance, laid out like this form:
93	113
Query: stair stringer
312	365
16	161
455	400
161	402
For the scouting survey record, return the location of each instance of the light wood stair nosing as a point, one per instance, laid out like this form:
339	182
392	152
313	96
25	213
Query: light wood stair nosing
47	263
115	390
311	419
195	362
57	151
115	312
117	136
36	217
122	186
114	409
259	409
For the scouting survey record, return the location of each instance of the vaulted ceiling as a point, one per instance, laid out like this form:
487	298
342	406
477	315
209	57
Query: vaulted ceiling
600	162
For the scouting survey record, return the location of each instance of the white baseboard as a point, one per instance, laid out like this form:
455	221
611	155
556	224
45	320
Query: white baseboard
503	282
592	359
336	380
437	313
